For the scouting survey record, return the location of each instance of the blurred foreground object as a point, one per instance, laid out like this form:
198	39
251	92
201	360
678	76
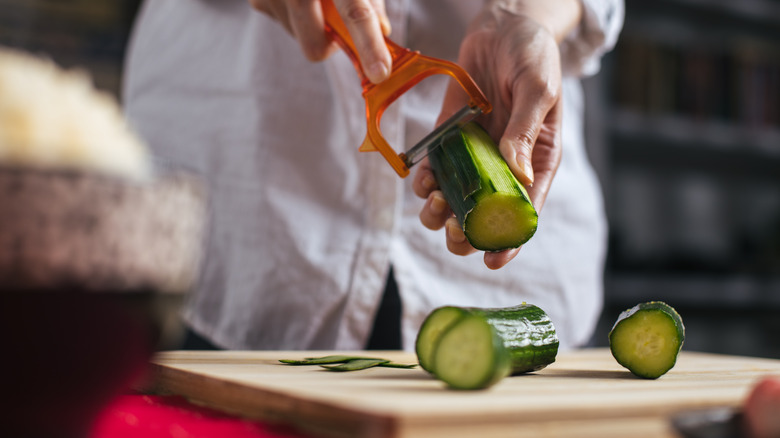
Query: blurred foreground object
93	245
762	409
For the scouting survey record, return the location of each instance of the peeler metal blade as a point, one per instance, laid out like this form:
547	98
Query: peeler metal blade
431	141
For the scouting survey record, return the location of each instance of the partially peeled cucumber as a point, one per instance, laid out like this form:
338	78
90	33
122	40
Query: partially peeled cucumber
474	348
491	205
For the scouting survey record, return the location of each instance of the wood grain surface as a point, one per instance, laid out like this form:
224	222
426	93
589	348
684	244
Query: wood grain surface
584	394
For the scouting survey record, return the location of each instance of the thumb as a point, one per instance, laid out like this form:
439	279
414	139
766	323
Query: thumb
531	109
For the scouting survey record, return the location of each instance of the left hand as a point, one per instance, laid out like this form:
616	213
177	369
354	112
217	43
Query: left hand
366	21
516	62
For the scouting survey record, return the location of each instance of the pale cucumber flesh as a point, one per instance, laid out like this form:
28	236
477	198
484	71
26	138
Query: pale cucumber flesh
500	221
469	355
647	342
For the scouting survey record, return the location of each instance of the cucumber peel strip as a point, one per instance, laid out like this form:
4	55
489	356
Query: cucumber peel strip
346	363
355	365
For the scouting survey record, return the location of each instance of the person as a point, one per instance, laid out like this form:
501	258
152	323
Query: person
314	245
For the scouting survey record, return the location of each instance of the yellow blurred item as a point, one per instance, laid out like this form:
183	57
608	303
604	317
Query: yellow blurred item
50	117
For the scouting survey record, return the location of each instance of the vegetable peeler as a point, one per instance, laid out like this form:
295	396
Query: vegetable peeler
409	68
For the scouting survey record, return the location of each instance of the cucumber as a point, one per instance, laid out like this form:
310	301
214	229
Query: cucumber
474	348
491	205
647	338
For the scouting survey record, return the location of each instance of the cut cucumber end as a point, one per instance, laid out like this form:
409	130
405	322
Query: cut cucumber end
470	355
434	325
500	221
647	339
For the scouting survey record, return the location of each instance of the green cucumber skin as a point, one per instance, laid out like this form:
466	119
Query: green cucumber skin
463	185
650	306
527	333
453	169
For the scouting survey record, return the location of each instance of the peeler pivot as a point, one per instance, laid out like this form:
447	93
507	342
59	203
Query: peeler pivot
409	68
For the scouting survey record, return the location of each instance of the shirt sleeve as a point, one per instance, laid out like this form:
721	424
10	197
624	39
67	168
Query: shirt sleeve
597	34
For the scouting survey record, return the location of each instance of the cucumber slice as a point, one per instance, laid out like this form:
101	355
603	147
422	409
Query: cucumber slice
647	338
471	355
474	348
437	322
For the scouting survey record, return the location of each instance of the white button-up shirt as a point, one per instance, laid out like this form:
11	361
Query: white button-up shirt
304	227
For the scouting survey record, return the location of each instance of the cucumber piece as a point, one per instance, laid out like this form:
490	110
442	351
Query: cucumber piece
647	338
351	363
491	205
435	323
322	360
356	365
397	365
477	347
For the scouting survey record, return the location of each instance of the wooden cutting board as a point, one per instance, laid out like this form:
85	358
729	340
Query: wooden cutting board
584	393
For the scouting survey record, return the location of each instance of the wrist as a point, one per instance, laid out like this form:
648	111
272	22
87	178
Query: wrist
558	17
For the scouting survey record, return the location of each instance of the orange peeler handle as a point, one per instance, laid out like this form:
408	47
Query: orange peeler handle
409	68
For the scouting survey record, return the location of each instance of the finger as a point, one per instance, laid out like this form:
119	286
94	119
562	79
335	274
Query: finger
531	102
456	240
384	21
435	212
499	259
547	157
454	100
276	9
261	5
363	23
424	181
308	26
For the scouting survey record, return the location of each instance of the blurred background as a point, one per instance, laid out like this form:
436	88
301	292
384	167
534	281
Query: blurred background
683	126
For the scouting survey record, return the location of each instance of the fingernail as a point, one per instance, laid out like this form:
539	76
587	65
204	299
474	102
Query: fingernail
438	204
527	169
377	72
455	232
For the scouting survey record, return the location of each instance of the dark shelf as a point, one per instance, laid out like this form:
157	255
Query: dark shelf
699	20
682	131
702	291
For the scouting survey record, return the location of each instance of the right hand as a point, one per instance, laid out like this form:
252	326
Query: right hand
366	21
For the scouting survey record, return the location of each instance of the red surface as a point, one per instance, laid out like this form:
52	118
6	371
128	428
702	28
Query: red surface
67	354
144	416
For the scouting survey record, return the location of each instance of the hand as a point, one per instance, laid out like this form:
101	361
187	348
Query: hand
516	62
366	21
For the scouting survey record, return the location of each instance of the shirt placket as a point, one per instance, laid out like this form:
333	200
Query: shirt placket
383	194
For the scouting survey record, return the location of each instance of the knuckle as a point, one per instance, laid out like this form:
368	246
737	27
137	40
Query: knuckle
258	5
520	143
358	12
524	141
545	89
538	87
